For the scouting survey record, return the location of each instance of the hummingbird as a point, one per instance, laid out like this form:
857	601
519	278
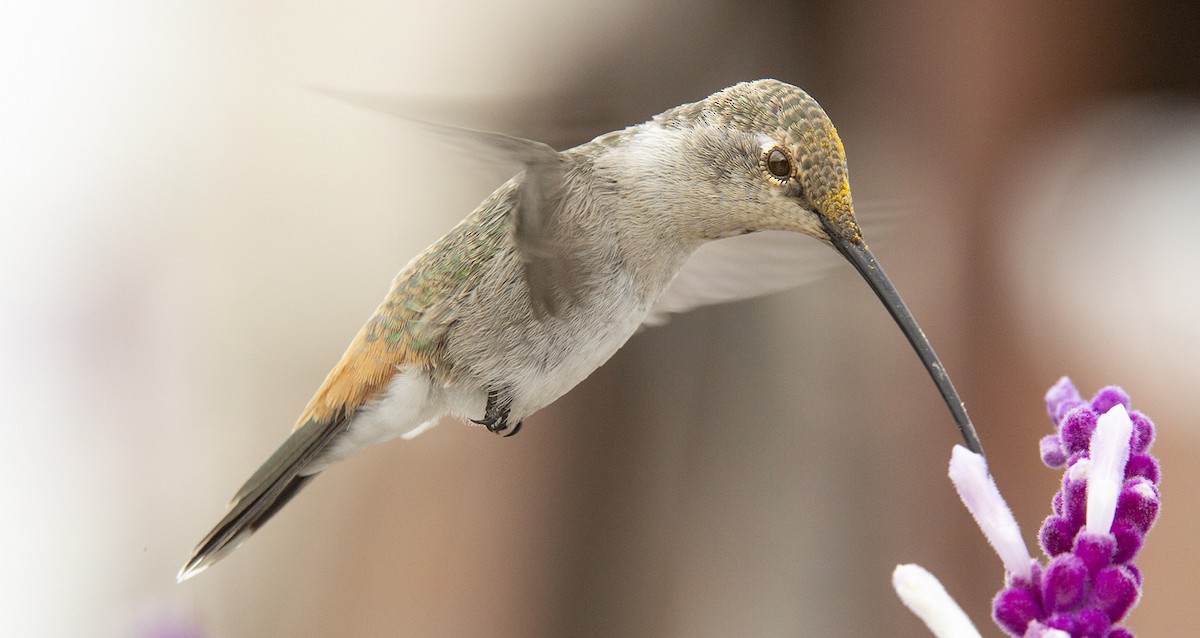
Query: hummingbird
554	271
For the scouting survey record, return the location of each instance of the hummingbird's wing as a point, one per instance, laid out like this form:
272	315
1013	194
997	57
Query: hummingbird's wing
539	198
741	267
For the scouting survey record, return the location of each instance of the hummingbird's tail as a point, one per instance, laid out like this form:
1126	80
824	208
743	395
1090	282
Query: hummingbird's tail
267	491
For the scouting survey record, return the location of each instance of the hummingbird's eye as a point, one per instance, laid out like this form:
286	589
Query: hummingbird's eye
778	164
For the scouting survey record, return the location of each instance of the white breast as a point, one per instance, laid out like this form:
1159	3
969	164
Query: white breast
587	345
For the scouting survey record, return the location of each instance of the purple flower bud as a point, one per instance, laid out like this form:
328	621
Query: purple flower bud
1135	572
1066	408
1143	432
1057	535
1059	394
1053	454
1138	503
1076	429
1121	632
1115	592
1014	608
1091	622
1063	622
1143	465
1129	541
1065	583
1108	397
1095	550
1074	493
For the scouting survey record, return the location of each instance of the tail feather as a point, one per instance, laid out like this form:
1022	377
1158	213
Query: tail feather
267	491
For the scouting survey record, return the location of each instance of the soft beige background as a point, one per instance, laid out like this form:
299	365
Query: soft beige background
191	235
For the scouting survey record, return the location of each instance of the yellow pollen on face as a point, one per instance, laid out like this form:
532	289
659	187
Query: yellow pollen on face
839	204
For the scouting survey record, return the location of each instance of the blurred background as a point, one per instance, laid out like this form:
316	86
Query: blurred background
192	235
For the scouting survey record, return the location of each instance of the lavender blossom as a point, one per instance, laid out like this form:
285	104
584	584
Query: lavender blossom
1108	501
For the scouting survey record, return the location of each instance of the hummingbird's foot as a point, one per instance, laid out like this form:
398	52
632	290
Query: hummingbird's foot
495	417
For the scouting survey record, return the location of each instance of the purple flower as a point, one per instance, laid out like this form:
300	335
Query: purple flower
1108	501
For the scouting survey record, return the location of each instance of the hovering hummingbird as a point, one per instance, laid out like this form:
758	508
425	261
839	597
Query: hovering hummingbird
561	265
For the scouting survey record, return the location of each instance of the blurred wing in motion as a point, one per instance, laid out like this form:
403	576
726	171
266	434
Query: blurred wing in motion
742	267
539	198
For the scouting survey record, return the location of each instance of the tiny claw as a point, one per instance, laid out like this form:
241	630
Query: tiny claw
495	417
516	428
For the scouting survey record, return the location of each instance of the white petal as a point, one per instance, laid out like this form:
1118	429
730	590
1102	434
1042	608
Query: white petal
1143	488
1038	630
1110	452
979	493
1080	470
921	592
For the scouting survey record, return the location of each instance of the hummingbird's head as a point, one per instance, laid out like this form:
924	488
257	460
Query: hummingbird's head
801	160
758	155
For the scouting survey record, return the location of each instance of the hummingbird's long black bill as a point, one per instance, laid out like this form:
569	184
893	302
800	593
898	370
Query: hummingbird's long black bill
864	262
